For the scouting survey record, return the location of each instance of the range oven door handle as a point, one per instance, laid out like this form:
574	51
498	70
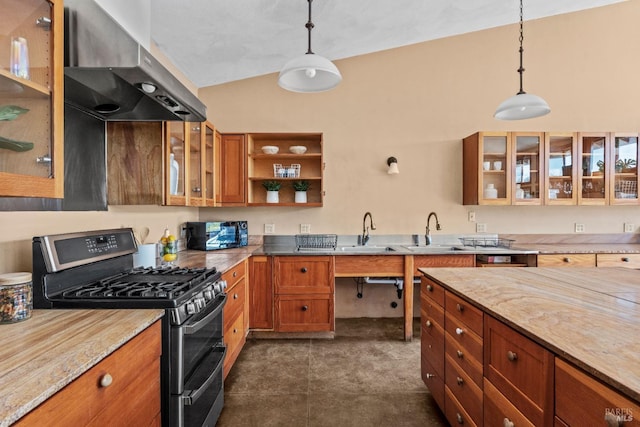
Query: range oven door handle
205	317
190	396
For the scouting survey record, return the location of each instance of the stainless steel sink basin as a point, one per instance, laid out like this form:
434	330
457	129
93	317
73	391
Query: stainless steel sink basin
357	248
432	248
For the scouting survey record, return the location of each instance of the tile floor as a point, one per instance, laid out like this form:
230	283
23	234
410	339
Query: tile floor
366	376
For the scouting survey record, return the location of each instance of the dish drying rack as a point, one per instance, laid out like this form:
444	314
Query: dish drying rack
316	241
487	242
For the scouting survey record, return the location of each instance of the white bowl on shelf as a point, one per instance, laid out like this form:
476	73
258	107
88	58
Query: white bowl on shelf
298	149
270	149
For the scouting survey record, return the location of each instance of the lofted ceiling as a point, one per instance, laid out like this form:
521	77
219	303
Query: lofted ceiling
218	41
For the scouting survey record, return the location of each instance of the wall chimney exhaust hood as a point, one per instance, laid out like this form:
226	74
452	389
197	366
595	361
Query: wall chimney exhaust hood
111	76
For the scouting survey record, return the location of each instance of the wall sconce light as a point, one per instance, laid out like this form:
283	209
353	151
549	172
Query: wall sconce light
392	162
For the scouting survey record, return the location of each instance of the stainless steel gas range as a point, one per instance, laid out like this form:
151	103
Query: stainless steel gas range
94	269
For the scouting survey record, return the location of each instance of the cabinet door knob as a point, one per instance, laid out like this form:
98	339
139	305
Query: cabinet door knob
459	331
429	288
235	274
611	420
235	330
566	259
305	307
459	354
459	418
459	380
196	189
428	323
235	296
106	380
512	356
625	259
303	269
508	423
460	307
429	376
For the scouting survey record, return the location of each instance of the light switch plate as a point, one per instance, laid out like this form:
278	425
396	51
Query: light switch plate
269	228
472	216
579	228
305	228
629	227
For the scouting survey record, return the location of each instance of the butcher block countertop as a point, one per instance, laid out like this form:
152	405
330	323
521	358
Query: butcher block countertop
41	355
589	316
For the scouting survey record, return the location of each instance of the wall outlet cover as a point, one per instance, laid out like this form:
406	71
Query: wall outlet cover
481	228
472	216
305	228
269	228
579	228
629	227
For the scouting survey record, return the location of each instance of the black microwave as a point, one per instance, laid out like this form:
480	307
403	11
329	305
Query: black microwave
212	235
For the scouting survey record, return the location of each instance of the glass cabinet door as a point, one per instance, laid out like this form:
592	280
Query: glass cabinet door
495	181
593	169
176	163
527	168
561	170
209	164
195	165
625	169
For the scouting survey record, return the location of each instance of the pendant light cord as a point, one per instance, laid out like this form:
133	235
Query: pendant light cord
309	26
520	70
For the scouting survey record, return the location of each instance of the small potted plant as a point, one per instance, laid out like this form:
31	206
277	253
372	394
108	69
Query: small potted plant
272	188
301	188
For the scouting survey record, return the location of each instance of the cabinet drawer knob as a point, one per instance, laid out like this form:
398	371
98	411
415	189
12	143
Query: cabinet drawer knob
235	330
428	323
235	296
612	421
625	259
459	354
512	356
460	307
235	274
303	269
459	418
429	376
429	288
566	259
106	380
508	423
459	380
305	307
459	331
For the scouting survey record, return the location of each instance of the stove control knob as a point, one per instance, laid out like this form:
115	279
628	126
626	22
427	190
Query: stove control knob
191	308
220	286
200	303
208	294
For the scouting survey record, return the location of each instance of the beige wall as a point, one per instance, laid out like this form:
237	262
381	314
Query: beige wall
416	103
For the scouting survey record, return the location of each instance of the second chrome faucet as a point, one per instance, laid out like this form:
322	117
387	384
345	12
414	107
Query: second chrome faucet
365	230
427	236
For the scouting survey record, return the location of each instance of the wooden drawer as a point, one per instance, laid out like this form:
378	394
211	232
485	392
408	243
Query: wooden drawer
431	311
236	300
520	369
454	411
466	360
432	345
423	261
434	381
464	312
618	260
498	411
370	265
463	338
234	339
567	260
466	391
304	313
132	397
303	275
432	290
582	400
235	274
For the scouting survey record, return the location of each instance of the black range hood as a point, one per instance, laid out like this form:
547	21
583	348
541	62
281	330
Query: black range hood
110	75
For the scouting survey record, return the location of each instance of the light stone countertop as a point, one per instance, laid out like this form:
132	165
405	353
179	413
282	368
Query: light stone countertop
41	355
588	316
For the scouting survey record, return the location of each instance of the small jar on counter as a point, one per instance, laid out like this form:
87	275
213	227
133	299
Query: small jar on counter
16	298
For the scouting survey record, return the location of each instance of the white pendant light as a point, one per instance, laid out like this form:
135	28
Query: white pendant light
309	72
522	105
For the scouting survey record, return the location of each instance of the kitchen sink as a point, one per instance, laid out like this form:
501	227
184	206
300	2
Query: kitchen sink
357	248
432	248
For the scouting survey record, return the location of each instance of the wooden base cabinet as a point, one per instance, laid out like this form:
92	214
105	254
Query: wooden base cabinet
235	315
123	389
432	338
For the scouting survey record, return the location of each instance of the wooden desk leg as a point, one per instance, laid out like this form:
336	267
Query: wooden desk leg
408	298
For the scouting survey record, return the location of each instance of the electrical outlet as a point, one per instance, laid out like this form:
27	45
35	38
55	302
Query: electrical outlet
305	228
269	228
481	228
629	227
183	232
579	228
472	216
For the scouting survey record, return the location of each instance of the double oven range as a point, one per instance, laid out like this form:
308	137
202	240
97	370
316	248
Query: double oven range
95	270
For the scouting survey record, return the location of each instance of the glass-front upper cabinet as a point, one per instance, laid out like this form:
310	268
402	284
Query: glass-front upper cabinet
196	166
209	176
31	98
594	168
561	170
175	163
528	168
487	166
624	157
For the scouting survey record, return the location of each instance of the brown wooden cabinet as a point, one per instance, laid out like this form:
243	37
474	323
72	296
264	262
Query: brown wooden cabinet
232	163
618	260
561	168
123	389
32	151
236	313
304	293
261	293
567	260
432	338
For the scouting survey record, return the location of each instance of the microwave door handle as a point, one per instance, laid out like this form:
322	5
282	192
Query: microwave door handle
191	396
193	327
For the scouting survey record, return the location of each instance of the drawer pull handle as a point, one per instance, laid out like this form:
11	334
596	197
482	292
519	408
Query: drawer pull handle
235	274
303	269
106	380
460	307
235	296
235	330
566	259
508	423
459	354
459	331
429	288
625	259
512	356
612	421
459	380
429	376
305	307
459	418
428	323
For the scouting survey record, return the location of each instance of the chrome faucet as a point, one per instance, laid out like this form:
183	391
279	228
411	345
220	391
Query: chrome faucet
365	230
427	236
